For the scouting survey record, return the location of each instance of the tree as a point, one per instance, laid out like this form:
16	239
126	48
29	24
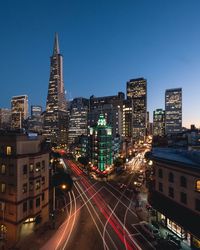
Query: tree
83	160
62	179
118	162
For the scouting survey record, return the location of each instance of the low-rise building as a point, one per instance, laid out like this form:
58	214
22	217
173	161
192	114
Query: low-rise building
176	193
24	184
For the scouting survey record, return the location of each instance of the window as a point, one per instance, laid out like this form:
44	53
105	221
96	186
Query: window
171	192
31	204
183	181
160	187
184	198
8	150
37	167
3	169
197	205
38	202
11	170
43	165
160	173
24	188
11	189
31	186
42	196
43	180
25	206
3	187
37	185
171	177
25	169
198	185
31	168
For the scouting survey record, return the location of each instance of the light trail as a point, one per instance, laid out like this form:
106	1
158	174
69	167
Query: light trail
124	232
74	219
67	223
131	244
98	228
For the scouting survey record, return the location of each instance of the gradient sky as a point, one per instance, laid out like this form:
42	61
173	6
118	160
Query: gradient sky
104	43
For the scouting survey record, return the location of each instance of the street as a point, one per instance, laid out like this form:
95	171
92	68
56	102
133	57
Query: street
101	215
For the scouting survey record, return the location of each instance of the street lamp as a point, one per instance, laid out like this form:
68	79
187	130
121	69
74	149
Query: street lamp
63	187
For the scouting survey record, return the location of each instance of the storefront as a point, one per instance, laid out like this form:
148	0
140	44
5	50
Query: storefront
175	228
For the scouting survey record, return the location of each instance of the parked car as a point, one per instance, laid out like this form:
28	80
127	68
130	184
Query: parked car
151	230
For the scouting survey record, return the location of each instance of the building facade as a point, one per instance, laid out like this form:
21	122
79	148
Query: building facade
78	123
19	111
127	119
159	122
173	111
35	122
55	119
112	114
115	100
101	144
137	93
176	193
24	184
5	118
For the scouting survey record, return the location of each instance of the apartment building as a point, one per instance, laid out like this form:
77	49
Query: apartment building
24	183
176	193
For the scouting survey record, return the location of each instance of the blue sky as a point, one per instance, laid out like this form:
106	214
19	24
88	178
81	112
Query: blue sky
104	43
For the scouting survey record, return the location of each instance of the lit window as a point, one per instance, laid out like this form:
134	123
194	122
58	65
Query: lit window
3	187
37	185
31	168
3	169
198	185
37	167
8	150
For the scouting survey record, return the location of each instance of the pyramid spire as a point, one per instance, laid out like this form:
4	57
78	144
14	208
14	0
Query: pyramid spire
56	49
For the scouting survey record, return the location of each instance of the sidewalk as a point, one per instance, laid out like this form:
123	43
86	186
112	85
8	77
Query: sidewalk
41	235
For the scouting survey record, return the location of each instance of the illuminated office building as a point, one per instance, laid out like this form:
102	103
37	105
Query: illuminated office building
159	122
5	118
35	121
137	93
19	111
127	119
112	114
55	120
173	111
101	144
78	119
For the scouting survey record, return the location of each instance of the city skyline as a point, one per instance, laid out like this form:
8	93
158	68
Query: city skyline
103	48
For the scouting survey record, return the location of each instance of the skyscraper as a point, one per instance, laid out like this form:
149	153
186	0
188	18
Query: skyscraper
55	121
137	92
159	122
35	121
173	110
101	144
19	111
78	119
5	118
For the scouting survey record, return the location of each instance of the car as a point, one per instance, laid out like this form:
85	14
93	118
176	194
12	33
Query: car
140	178
150	229
137	184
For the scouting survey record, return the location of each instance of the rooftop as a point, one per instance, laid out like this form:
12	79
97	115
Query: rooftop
189	158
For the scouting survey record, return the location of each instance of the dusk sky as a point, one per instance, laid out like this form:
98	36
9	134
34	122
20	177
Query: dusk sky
104	44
